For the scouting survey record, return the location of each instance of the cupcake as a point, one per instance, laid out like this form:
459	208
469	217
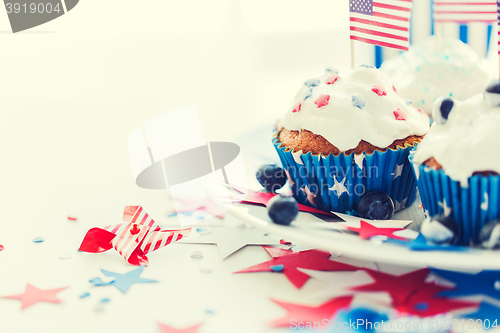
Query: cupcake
456	164
347	134
434	68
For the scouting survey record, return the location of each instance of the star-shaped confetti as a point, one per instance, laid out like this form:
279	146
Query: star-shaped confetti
421	244
400	114
230	240
291	261
339	187
379	90
366	231
303	313
297	106
332	79
307	93
424	303
312	82
446	210
358	101
322	100
33	295
486	311
122	282
399	287
482	283
169	329
310	196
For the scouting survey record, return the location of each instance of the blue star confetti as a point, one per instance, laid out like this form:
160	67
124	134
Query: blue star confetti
421	244
364	319
312	82
358	101
277	268
122	281
332	70
306	94
482	283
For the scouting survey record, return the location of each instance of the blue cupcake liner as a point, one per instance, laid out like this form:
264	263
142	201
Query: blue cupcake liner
471	207
328	176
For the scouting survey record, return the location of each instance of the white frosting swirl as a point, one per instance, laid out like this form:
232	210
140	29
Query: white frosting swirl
342	123
466	142
434	68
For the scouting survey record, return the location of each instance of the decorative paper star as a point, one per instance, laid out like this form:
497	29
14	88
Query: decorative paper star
230	240
302	313
291	261
484	204
485	311
123	281
332	79
322	100
400	114
446	210
424	303
33	295
398	171
482	283
399	287
296	157
339	187
170	329
366	230
310	195
358	159
204	204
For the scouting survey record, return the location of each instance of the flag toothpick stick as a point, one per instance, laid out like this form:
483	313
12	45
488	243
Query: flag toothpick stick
353	60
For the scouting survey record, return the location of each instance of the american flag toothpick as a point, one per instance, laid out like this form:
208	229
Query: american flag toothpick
380	22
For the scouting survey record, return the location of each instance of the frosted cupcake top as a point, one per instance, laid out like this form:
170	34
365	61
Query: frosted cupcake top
465	135
355	105
434	68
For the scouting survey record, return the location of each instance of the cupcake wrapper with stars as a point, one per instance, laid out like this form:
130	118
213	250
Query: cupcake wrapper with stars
337	183
471	207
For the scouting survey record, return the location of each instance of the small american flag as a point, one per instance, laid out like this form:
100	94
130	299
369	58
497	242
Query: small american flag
381	22
465	10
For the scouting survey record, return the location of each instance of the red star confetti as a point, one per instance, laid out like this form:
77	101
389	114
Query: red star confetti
423	302
394	88
379	90
71	218
297	106
33	295
310	314
287	262
262	198
399	287
2	247
332	79
366	230
133	239
170	329
322	100
400	115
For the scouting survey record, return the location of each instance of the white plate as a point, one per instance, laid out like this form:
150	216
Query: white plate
257	148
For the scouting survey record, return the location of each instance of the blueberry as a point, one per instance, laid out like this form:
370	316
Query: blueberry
376	206
492	93
442	109
282	209
270	176
440	229
489	236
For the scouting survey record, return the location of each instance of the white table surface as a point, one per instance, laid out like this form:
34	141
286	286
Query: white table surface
71	92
